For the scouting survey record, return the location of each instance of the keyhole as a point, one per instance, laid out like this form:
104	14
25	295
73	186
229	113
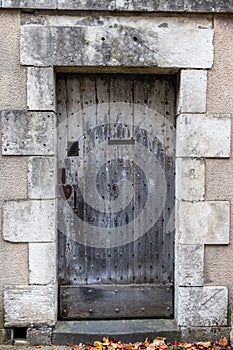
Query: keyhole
114	187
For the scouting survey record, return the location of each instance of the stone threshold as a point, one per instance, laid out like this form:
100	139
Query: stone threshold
128	331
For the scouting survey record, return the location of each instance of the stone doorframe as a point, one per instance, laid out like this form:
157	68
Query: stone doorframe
142	44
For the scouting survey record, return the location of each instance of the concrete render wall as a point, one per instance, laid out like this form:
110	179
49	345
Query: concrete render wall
13	171
219	184
212	181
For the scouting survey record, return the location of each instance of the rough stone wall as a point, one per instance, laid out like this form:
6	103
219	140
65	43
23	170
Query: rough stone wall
219	179
13	171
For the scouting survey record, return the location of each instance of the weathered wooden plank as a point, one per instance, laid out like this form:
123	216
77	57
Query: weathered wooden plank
104	301
123	128
169	169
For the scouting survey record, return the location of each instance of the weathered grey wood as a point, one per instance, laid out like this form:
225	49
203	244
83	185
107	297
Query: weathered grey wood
111	115
169	212
131	301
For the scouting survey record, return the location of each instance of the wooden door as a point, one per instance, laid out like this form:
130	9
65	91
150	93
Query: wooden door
116	144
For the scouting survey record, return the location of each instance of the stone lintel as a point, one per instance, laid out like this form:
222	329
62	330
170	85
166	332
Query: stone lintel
116	42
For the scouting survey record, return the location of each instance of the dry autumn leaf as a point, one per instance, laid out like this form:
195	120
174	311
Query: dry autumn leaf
159	343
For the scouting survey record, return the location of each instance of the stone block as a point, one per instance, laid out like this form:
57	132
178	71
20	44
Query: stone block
202	306
190	179
203	222
6	337
131	5
29	221
208	6
120	41
28	133
27	305
86	5
39	336
41	89
29	4
194	334
203	136
192	92
42	178
190	265
42	263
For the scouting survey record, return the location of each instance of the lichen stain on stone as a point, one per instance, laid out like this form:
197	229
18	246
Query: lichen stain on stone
127	46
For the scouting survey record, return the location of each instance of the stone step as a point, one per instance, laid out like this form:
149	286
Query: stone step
128	331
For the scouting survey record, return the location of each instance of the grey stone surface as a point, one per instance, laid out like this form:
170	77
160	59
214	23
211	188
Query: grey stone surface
28	133
202	306
190	265
203	222
203	135
41	89
6	337
39	336
206	6
195	334
38	4
42	178
42	263
68	332
86	5
33	221
27	305
190	179
192	92
115	42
